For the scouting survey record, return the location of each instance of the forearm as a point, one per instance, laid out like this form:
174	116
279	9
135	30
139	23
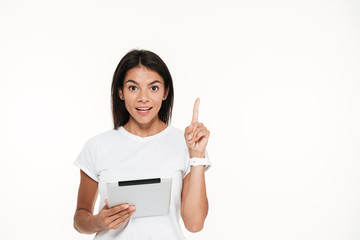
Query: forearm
195	205
85	222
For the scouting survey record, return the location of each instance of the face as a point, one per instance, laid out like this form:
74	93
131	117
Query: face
143	93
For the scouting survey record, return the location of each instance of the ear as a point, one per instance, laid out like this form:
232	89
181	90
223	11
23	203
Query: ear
166	93
121	94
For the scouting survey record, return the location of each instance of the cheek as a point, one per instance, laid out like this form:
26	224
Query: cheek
129	103
159	102
130	99
129	109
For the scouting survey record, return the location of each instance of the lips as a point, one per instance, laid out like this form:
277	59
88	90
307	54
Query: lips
143	109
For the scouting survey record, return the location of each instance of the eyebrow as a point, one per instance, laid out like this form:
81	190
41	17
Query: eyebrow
156	81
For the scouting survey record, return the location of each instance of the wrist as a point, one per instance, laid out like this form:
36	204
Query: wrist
96	223
85	222
197	154
199	159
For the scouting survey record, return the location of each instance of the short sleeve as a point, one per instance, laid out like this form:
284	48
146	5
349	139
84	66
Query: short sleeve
188	167
86	160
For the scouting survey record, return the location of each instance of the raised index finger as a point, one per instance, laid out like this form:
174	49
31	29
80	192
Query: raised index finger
196	111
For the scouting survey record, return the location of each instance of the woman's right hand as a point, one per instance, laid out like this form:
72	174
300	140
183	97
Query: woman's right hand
112	218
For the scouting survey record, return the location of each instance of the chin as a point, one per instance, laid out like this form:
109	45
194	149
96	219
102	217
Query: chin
144	120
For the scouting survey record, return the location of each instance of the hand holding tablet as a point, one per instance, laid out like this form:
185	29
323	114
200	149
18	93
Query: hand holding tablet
112	218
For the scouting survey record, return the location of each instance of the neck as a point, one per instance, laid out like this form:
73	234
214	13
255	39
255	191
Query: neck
145	129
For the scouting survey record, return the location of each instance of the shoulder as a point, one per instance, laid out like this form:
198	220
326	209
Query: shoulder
177	135
107	134
176	132
101	137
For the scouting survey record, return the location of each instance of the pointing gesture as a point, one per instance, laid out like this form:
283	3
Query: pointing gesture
196	134
196	111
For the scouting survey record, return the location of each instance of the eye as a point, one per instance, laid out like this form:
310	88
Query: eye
132	88
154	88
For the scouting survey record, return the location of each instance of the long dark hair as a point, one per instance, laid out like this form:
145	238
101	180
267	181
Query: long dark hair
131	60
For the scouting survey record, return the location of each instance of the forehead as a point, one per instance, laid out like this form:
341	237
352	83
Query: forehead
142	74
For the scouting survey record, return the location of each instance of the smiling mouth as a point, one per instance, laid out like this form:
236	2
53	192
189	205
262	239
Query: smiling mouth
143	109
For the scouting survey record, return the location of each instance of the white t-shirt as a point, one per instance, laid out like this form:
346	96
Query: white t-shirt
118	155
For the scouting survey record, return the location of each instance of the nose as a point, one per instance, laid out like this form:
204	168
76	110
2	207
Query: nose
143	96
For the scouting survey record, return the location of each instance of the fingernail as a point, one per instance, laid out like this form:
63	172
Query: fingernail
190	136
132	208
126	206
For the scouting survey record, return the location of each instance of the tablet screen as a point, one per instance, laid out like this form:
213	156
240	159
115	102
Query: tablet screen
151	197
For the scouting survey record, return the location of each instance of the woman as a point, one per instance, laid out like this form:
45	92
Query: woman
142	145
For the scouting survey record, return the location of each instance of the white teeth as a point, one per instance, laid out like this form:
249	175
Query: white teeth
143	109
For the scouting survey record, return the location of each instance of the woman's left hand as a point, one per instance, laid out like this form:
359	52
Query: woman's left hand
196	134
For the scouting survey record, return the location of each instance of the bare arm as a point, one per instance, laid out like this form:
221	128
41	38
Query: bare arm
194	204
84	221
108	218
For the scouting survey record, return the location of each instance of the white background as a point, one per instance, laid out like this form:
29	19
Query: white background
279	88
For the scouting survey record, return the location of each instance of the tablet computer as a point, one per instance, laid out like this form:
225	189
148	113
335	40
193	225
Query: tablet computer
151	197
